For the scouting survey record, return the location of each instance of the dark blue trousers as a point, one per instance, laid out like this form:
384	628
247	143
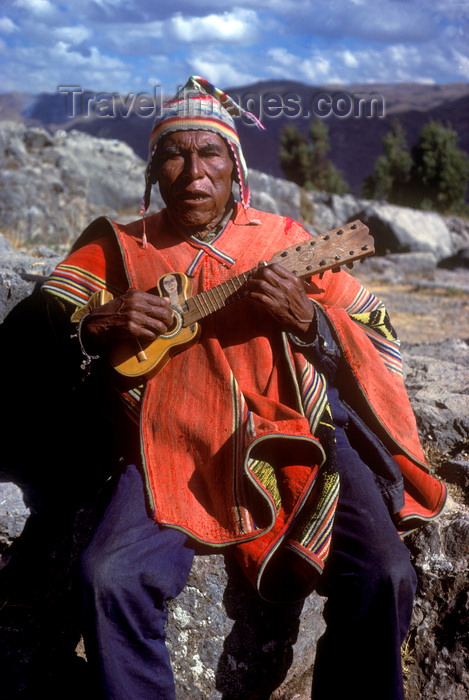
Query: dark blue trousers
131	567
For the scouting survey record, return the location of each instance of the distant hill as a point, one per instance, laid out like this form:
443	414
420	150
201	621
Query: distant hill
356	141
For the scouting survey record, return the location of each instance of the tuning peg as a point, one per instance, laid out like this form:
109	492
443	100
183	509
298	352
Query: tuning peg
349	265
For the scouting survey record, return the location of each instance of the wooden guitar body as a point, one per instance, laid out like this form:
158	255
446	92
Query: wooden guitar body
133	361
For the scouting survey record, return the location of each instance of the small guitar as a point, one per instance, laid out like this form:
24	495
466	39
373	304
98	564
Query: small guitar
340	246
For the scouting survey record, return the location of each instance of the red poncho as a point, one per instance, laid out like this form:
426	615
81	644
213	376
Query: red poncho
229	428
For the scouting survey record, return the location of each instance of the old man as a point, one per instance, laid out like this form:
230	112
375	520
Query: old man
281	429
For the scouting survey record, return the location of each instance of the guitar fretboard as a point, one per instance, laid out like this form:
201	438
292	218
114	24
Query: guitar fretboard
214	299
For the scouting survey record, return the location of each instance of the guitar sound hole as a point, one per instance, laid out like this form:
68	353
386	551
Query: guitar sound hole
175	327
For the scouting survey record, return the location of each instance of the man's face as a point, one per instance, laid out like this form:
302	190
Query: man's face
194	172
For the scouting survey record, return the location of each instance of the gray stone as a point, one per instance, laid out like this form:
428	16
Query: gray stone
274	195
240	646
438	640
401	230
437	381
13	516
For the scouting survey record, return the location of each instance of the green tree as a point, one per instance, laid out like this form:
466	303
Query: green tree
305	162
441	170
325	176
392	169
434	175
295	156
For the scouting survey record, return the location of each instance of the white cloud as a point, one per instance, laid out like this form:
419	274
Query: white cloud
71	35
218	70
36	7
393	63
7	26
462	63
122	43
282	58
236	26
349	59
135	39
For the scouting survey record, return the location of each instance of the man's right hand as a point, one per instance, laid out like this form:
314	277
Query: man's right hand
135	314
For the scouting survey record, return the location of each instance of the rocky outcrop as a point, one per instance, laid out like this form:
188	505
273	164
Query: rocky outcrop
395	229
54	184
224	642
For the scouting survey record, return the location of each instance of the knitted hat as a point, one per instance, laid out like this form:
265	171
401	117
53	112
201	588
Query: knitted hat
200	105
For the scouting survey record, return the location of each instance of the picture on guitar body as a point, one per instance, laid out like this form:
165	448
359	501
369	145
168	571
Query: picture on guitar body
170	285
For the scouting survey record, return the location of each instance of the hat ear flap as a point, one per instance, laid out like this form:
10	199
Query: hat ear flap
153	169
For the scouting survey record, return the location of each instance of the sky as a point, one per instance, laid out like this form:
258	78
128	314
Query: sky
134	45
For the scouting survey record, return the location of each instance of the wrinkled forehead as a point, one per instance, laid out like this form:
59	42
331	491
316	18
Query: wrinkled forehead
193	138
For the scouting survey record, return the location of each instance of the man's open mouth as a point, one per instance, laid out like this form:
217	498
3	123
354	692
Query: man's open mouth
194	196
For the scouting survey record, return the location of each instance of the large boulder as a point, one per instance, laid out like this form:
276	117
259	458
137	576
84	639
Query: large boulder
227	643
395	229
53	185
401	230
437	380
274	195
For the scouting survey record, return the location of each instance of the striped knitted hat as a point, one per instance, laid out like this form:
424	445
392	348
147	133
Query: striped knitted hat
200	105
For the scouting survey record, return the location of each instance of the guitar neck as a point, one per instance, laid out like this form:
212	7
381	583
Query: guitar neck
214	299
328	251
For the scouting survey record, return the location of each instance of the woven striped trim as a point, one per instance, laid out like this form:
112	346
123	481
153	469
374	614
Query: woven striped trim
239	415
132	402
377	326
388	350
316	535
210	247
204	123
310	386
73	284
365	301
266	474
314	395
195	263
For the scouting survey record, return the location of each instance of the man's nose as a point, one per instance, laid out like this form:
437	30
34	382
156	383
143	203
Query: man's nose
193	166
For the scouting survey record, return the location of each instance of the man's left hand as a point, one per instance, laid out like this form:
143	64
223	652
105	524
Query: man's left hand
283	295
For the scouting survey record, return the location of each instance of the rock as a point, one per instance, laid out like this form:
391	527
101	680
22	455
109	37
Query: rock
13	516
438	641
241	646
395	229
401	230
459	259
437	380
459	230
18	270
274	195
53	185
398	267
456	471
